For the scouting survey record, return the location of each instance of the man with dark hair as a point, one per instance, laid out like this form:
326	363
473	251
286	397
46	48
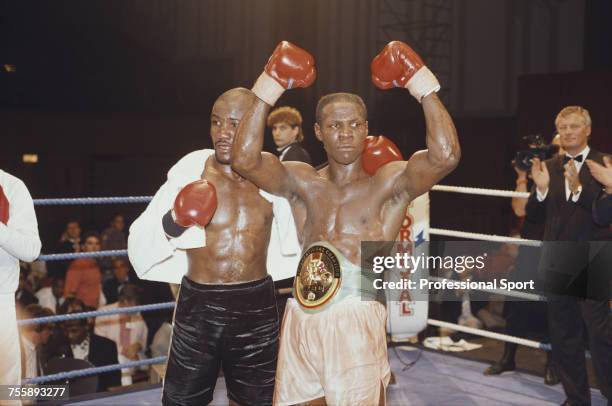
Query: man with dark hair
69	241
334	343
80	343
52	297
122	275
286	124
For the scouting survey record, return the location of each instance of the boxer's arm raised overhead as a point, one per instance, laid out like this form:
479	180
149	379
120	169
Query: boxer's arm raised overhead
262	168
399	66
288	67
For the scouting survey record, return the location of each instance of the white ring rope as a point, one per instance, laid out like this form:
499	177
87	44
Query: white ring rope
489	334
479	191
483	237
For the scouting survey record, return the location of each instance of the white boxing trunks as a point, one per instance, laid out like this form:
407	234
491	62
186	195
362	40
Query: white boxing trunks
339	353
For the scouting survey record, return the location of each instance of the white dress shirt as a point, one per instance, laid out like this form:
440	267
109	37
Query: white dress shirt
46	298
81	351
110	327
31	358
568	192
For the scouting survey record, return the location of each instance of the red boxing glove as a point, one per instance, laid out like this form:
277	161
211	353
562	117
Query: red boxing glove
398	65
289	66
195	204
379	151
4	207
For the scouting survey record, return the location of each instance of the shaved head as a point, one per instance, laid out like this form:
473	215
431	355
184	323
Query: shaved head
227	112
238	95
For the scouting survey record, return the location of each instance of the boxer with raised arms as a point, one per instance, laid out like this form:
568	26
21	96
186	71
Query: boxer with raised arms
333	347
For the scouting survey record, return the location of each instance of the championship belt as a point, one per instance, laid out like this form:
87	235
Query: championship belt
318	277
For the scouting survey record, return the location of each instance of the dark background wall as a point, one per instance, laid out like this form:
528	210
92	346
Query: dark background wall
110	94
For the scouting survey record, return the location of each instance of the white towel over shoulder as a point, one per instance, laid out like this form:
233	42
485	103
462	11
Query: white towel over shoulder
157	258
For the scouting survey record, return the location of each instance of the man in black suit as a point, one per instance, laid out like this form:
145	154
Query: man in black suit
286	124
81	343
122	275
563	198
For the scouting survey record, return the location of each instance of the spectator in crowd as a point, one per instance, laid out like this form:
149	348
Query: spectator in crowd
128	331
286	124
24	295
70	241
84	278
563	200
514	311
113	238
52	297
122	275
33	339
80	343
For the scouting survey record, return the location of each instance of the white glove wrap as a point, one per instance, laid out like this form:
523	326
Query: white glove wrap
422	84
267	89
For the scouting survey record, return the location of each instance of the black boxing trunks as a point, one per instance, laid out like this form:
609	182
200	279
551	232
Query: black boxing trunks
230	326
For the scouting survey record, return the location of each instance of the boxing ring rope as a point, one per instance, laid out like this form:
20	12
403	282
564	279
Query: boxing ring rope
171	305
146	199
479	191
490	334
92	200
75	255
96	313
61	376
483	237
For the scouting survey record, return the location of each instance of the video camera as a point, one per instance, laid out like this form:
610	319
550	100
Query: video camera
537	149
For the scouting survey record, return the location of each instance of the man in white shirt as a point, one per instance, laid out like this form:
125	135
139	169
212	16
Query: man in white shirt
33	337
572	265
52	297
128	331
19	240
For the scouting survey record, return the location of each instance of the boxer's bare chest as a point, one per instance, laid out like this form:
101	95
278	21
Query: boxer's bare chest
343	215
237	236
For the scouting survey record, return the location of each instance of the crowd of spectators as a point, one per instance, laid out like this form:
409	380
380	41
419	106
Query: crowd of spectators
86	284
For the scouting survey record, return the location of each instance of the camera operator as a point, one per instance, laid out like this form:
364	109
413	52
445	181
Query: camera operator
515	312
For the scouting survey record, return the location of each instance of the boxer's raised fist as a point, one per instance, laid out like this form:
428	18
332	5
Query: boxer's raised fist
289	66
379	151
195	204
4	207
398	65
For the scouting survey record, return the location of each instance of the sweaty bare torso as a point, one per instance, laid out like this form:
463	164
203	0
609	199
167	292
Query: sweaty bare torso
345	215
237	236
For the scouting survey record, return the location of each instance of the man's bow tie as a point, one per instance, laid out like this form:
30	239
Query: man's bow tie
568	158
